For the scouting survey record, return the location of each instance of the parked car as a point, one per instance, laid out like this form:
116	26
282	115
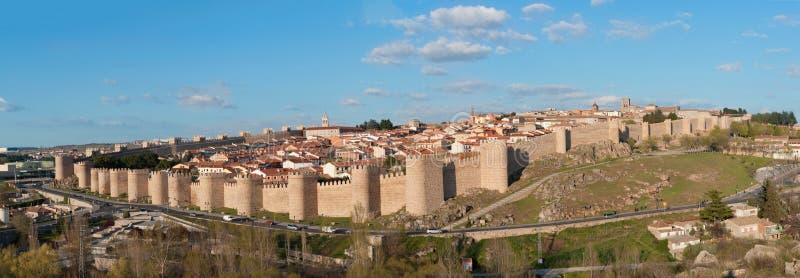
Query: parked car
293	227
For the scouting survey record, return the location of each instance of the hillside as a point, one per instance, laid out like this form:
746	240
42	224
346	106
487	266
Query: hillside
631	184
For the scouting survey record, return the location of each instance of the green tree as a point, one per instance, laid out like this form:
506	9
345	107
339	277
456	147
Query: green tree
104	161
22	224
672	116
40	262
770	204
165	164
386	124
716	211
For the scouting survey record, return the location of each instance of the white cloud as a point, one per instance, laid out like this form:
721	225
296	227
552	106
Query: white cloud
494	35
502	50
560	31
390	54
523	89
6	106
685	15
443	50
350	102
213	97
466	87
433	70
115	100
460	17
596	3
537	8
793	71
410	26
634	30
607	100
730	67
376	92
777	50
753	34
786	20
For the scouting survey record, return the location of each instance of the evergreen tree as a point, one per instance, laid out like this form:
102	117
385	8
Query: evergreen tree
770	204
716	211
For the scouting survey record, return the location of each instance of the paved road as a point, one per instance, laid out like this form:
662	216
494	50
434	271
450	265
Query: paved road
103	203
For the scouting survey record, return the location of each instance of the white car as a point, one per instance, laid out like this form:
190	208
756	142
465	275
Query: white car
293	227
434	231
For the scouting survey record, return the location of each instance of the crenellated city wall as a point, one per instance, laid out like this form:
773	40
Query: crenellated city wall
427	182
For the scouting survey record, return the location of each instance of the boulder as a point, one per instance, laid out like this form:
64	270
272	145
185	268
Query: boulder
792	268
761	253
705	259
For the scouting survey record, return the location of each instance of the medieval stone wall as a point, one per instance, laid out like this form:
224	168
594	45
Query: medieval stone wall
137	184
157	188
393	193
424	184
275	198
178	189
335	198
119	182
83	173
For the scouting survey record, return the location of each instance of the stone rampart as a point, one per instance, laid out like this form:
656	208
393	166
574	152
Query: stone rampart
137	183
393	192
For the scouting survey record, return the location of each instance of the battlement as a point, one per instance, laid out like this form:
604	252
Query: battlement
275	185
393	175
119	170
333	183
230	184
103	170
303	173
247	177
178	174
213	175
369	167
138	171
83	163
195	184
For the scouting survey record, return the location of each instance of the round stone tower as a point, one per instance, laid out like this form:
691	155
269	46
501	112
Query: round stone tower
302	195
246	186
119	182
93	185
645	130
562	143
211	191
137	183
178	189
424	184
613	130
365	180
103	181
83	170
157	187
494	165
64	167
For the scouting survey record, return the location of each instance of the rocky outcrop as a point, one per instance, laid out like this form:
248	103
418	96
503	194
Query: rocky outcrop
591	153
705	259
761	254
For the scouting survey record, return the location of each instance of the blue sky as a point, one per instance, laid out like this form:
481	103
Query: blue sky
100	71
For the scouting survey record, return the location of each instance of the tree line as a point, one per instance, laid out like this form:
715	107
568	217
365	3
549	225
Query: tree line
776	118
659	117
144	160
372	124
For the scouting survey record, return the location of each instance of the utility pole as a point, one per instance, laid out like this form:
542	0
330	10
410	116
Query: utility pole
82	260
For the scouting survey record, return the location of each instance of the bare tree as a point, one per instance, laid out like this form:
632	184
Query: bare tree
503	259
